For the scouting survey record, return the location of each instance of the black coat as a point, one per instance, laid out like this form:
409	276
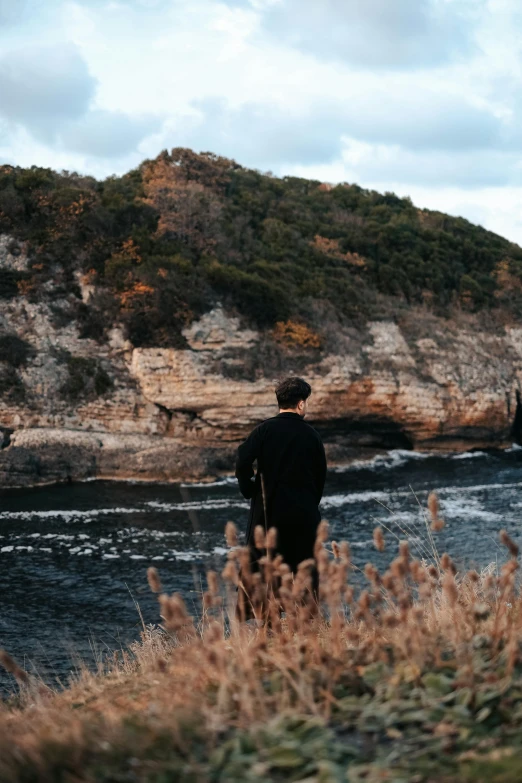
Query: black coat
290	457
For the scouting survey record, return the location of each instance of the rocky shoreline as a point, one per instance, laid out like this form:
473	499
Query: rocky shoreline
47	457
111	410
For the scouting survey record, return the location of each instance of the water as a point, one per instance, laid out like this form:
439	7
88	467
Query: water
73	558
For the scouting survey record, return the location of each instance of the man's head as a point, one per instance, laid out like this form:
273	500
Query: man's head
292	395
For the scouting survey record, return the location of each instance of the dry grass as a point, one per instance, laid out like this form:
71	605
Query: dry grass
417	676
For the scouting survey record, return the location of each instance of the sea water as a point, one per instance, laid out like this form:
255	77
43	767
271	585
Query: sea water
73	559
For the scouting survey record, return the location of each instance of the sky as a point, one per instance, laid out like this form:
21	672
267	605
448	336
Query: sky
419	97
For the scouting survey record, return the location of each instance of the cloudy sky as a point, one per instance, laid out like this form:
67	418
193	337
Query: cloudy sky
422	97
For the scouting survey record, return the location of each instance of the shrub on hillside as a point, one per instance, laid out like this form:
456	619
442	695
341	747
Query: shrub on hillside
10	281
12	387
296	335
267	247
13	350
263	302
87	379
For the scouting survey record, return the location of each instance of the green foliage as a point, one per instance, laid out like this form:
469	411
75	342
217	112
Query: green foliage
9	280
87	379
200	228
13	350
12	388
255	297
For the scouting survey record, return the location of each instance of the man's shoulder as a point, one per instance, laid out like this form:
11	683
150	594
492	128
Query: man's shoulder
314	431
276	421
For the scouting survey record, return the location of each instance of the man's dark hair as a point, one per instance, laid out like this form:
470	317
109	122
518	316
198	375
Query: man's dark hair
291	391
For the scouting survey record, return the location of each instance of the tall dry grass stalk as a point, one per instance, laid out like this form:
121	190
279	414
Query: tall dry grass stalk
307	646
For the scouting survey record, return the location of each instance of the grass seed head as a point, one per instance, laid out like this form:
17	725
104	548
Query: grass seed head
481	611
364	601
371	573
509	543
259	537
449	588
271	538
322	531
11	666
437	523
447	564
154	580
378	539
231	534
398	568
213	582
229	573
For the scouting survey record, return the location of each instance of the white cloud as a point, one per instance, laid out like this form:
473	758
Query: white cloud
420	97
106	134
376	33
41	87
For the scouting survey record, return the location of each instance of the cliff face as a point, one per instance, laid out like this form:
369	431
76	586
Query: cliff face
168	414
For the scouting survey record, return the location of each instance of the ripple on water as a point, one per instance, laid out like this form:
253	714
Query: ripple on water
82	553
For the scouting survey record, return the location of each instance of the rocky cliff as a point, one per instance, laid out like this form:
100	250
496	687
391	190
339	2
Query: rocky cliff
166	414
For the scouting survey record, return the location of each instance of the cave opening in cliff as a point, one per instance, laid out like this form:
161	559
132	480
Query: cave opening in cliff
364	433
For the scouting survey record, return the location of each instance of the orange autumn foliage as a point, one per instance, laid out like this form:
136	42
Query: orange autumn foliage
330	247
137	290
187	210
296	334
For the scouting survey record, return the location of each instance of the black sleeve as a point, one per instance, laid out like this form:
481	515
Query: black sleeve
247	453
321	468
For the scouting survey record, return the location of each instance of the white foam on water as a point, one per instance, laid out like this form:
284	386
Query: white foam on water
222	482
479	488
198	505
469	455
392	459
58	536
188	554
72	516
338	500
396	458
66	516
468	508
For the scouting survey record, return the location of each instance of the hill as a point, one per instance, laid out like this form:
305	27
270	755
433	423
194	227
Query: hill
145	318
168	240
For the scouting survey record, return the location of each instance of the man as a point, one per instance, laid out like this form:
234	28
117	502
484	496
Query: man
291	471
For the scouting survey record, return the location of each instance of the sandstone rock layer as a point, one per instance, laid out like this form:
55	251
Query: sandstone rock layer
178	414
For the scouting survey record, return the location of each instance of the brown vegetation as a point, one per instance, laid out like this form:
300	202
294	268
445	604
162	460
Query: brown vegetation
415	677
296	334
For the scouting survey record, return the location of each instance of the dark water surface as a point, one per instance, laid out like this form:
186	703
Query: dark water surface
73	558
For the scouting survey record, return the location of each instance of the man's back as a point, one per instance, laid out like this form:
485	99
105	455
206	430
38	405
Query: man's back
291	471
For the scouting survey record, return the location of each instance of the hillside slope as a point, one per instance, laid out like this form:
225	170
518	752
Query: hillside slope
143	319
